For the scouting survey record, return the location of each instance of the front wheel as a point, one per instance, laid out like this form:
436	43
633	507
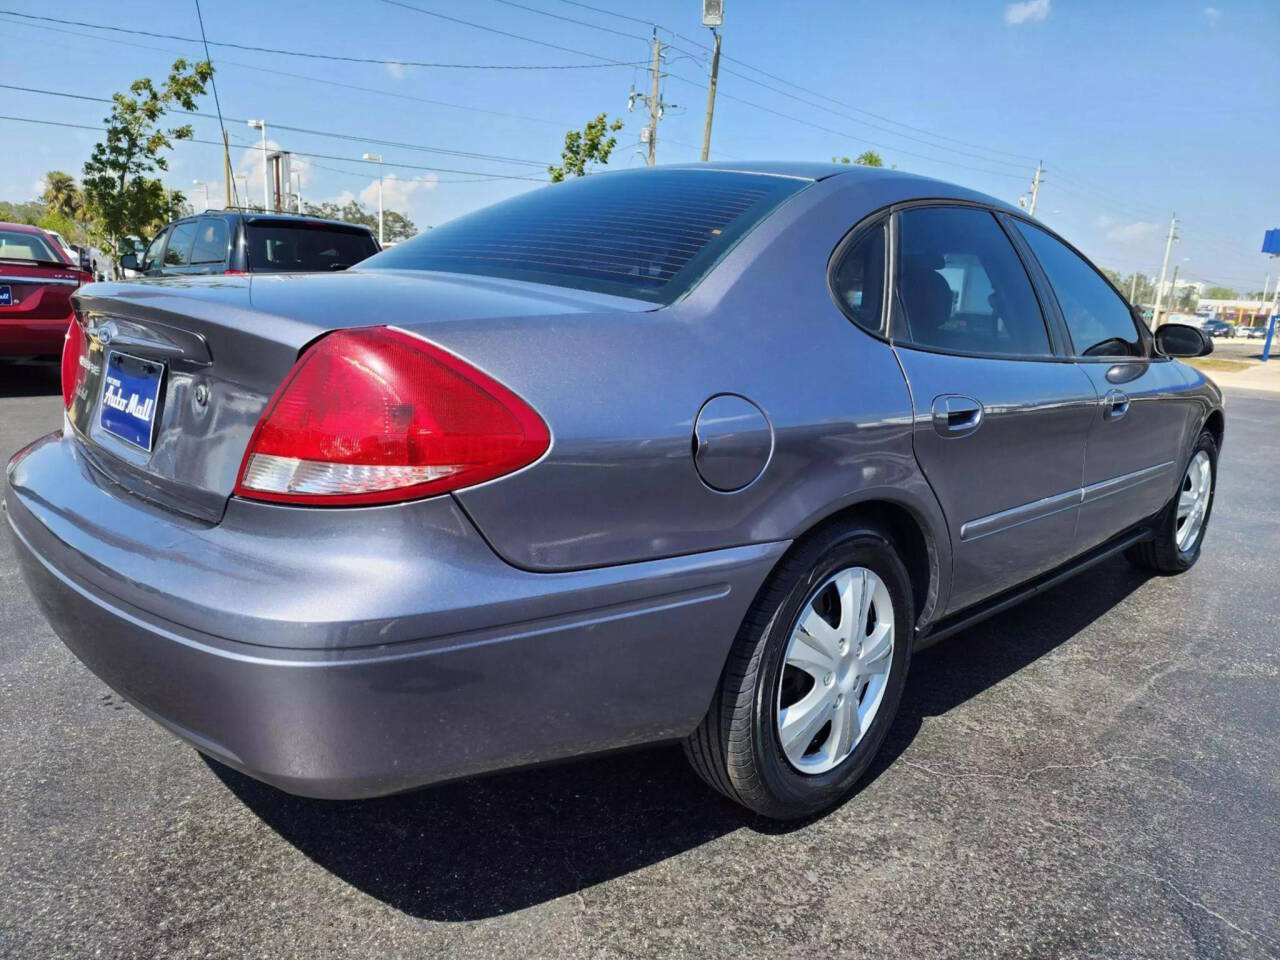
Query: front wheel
1181	528
814	677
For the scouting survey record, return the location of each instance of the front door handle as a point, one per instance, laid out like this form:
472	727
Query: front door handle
1115	404
955	415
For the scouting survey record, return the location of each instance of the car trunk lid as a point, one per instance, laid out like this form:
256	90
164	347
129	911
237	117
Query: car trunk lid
210	351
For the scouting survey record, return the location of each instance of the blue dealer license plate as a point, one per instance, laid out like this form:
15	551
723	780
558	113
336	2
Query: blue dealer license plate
130	395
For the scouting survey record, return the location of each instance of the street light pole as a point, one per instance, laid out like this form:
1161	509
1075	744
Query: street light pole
205	184
266	197
377	158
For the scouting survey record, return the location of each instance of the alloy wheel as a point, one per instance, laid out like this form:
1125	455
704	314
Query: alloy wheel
835	670
1193	501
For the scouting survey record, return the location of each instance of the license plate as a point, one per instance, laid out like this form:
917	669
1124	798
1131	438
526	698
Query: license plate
130	395
6	296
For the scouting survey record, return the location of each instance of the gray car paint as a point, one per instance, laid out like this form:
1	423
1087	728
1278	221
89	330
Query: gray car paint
588	600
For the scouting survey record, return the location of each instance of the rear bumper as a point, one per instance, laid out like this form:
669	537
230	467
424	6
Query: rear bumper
353	653
24	337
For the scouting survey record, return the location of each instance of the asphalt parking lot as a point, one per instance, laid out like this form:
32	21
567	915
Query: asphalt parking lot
1095	773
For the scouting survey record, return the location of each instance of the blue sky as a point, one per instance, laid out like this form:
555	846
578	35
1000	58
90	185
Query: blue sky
1138	109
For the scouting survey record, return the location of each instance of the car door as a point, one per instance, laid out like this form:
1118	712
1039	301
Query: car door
1000	417
1140	428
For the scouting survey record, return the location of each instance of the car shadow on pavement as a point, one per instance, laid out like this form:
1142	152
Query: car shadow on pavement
488	846
30	379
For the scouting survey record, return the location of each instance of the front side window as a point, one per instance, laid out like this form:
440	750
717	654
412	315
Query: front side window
178	253
1097	318
962	286
153	251
211	242
859	279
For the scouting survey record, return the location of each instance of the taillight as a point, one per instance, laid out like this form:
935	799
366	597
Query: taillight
378	415
235	273
73	344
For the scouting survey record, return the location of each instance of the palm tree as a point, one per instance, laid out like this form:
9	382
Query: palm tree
62	195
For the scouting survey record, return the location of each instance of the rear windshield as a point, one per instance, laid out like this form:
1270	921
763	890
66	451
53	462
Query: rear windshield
650	234
276	247
20	245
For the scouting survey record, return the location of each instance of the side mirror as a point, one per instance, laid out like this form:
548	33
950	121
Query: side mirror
1181	340
129	261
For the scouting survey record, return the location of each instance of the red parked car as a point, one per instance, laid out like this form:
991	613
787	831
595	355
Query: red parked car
36	283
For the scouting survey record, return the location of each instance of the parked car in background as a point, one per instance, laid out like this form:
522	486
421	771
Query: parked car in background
37	279
233	241
1218	328
1255	332
700	453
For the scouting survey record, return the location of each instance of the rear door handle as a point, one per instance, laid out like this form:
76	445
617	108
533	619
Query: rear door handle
1115	404
955	415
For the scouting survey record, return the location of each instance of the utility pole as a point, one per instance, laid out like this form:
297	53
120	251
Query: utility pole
1133	286
1164	270
1035	187
655	104
653	100
711	98
1173	288
226	162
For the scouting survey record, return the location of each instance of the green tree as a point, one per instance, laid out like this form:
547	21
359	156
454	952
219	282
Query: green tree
1221	293
62	195
586	147
868	158
120	190
396	226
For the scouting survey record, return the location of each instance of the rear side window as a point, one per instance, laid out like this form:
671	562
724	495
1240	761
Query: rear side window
178	253
211	242
282	247
650	234
859	279
962	286
1097	318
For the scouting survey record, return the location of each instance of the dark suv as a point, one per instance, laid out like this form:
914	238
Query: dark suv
232	241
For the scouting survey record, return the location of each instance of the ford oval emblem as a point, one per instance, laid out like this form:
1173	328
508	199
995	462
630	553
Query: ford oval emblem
106	332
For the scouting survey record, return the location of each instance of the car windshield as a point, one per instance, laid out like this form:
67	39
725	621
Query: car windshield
649	234
20	245
294	247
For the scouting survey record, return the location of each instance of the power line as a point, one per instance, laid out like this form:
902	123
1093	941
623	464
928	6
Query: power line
581	23
504	33
466	154
380	61
309	78
299	153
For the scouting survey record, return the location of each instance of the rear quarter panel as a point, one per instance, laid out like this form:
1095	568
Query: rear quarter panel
621	394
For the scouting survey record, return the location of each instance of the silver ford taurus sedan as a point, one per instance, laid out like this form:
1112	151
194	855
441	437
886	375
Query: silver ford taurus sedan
700	453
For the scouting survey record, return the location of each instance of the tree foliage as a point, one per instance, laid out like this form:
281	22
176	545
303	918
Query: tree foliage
62	195
395	226
120	189
868	158
586	147
1221	293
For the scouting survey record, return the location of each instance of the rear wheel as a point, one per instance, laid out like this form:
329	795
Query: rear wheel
814	677
1182	525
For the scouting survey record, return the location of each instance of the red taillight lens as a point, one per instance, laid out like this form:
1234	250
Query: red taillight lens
379	415
73	344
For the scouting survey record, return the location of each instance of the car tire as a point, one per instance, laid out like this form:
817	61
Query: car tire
1174	549
738	749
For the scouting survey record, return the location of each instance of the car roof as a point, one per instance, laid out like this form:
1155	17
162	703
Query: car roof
924	187
23	228
271	215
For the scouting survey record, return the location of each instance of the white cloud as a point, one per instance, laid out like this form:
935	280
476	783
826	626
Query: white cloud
397	194
1213	15
37	188
1028	11
1138	231
396	69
